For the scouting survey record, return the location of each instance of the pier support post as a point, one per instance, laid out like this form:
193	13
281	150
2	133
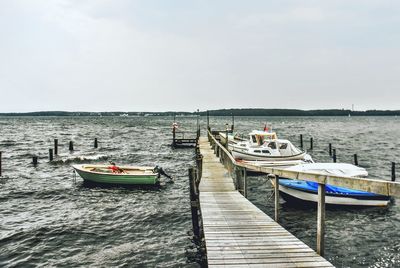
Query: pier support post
276	177
311	143
334	155
355	160
71	146
301	141
393	171
0	162
330	149
244	182
51	154
199	163
194	202
56	146
95	143
321	220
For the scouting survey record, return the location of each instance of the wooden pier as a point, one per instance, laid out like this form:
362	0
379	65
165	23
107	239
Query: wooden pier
236	232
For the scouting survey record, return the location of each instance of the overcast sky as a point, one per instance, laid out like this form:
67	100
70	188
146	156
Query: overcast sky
125	55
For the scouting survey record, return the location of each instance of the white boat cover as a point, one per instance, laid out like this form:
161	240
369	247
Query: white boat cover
335	169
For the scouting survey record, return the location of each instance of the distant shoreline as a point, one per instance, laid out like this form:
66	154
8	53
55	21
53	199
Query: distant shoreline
221	112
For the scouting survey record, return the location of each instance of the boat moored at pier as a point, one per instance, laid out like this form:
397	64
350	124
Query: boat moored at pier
307	191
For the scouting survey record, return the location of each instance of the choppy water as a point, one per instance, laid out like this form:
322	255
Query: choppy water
47	220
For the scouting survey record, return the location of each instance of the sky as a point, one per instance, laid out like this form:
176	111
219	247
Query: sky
127	55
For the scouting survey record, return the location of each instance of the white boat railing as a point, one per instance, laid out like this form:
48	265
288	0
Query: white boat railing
238	171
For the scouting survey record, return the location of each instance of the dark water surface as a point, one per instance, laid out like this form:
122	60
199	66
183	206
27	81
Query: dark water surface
47	220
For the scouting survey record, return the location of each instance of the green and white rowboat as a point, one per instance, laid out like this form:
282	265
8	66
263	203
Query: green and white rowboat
127	175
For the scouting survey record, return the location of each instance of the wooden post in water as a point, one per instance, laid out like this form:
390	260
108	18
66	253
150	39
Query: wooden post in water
311	143
208	120
321	220
393	171
355	160
34	160
95	143
334	155
0	161
233	123
173	135
56	146
51	154
301	141
194	202
330	149
71	146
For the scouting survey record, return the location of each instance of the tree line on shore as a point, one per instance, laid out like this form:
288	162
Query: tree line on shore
222	112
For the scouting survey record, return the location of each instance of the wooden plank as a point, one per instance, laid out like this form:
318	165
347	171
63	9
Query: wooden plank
236	232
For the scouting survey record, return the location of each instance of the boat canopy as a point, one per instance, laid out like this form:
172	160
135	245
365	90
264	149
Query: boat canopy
258	137
336	169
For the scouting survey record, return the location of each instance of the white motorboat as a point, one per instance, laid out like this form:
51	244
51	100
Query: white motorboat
267	148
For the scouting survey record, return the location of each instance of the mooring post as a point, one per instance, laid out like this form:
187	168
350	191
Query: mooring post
194	202
217	151
173	135
330	149
0	162
301	141
393	171
355	160
208	120
233	123
311	143
321	220
95	143
334	155
34	160
51	154
56	146
71	146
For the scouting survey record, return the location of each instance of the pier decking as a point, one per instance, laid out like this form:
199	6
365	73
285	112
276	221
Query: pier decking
239	234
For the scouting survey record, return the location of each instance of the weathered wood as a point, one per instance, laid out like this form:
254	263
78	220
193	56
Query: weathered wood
321	220
393	171
34	160
235	231
71	145
301	141
194	202
334	155
51	154
56	146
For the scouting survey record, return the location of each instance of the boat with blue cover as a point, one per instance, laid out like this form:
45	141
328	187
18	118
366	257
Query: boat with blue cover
306	191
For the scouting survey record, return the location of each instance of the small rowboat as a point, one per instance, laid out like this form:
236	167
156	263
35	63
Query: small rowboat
127	175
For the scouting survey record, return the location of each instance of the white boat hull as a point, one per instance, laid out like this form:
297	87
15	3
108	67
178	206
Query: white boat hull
253	157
